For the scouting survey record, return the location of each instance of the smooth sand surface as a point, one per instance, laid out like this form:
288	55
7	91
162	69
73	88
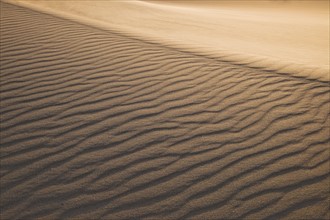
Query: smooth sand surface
96	124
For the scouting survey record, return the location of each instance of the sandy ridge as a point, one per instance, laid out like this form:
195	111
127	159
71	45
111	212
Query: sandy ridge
96	124
268	64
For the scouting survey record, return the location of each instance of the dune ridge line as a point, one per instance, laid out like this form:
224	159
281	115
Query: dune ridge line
266	64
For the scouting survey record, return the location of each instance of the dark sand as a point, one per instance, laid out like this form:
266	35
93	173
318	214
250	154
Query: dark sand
96	124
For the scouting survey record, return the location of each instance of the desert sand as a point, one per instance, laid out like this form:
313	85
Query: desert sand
287	36
104	117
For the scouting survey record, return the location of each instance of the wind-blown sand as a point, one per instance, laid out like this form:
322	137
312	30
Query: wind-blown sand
99	124
287	36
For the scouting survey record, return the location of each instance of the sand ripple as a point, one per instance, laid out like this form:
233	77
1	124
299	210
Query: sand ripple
96	124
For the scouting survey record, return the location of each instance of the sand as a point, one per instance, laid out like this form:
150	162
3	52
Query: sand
101	124
286	36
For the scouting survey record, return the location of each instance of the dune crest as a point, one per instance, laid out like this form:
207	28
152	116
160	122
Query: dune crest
289	38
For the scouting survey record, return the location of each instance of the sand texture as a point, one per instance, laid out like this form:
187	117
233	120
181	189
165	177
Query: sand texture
289	36
96	124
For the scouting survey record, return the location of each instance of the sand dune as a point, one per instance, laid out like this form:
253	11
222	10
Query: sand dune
99	124
286	36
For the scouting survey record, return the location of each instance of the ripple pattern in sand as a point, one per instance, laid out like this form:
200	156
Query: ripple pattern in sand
95	124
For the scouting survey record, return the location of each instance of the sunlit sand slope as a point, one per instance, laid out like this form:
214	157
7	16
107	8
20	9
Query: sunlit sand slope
96	124
287	36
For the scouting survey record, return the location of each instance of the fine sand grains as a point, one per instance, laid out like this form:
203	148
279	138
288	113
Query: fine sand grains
95	124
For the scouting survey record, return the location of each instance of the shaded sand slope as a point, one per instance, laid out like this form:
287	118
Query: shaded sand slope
96	124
